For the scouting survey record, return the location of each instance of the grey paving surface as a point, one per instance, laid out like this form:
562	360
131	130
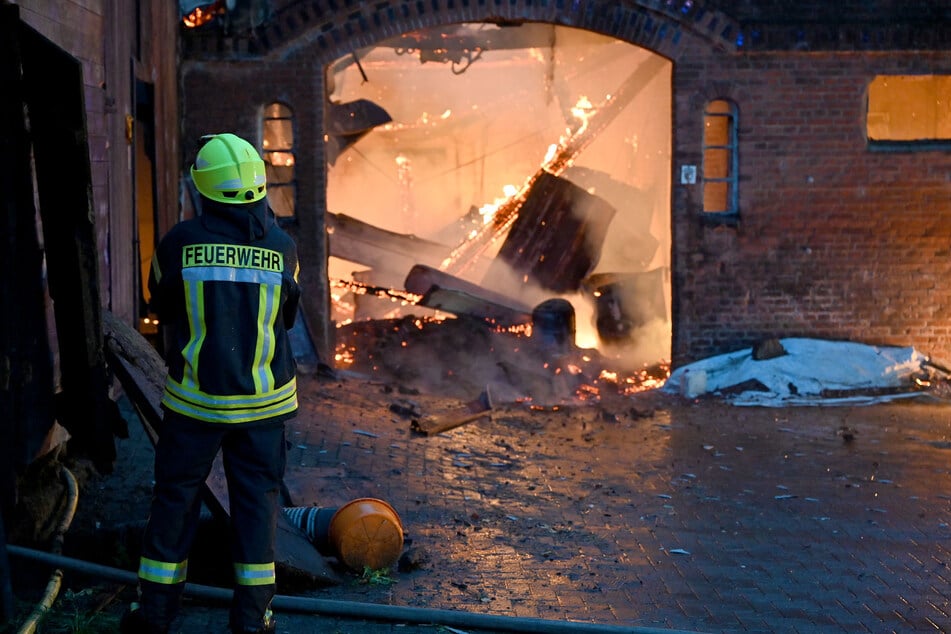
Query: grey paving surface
650	514
642	512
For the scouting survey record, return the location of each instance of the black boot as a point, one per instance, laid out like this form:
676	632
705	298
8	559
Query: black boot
133	622
268	626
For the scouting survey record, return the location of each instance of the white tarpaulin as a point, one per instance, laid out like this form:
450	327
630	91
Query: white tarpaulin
799	377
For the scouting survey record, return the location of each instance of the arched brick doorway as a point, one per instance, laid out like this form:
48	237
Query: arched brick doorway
281	60
532	161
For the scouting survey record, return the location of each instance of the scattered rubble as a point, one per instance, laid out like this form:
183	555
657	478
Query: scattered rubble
462	358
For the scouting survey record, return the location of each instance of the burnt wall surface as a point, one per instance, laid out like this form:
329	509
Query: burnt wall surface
835	239
76	68
117	42
78	28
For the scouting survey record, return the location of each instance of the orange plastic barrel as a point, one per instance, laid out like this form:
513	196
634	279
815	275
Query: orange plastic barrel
366	533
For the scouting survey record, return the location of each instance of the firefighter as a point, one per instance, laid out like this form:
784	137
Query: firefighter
225	284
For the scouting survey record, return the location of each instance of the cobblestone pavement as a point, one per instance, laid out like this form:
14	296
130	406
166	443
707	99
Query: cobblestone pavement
644	511
647	512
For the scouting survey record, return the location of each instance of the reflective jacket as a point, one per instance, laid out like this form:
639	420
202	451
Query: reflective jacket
226	284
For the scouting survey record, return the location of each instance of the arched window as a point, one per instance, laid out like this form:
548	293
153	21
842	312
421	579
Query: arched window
720	164
279	159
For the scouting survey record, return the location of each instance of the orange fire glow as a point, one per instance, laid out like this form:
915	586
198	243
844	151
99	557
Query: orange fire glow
340	288
344	355
204	14
588	392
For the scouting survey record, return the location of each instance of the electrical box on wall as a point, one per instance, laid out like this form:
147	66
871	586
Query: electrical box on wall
688	174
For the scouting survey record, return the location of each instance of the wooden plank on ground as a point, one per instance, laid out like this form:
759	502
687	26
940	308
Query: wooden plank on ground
432	425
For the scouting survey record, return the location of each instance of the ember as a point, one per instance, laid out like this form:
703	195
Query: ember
460	357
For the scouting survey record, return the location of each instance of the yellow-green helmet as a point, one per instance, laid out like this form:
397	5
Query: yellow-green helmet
228	169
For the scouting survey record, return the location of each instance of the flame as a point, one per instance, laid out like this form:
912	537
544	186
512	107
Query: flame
344	354
647	378
204	15
583	110
488	210
588	392
343	286
519	330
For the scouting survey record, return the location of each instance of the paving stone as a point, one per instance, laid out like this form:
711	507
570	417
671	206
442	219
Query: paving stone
699	517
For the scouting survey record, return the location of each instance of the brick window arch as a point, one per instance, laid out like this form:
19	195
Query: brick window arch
279	160
720	162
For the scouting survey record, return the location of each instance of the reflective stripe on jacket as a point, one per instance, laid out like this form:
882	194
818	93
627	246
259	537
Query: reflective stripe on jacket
230	295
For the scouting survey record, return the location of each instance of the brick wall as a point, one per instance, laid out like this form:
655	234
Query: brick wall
834	240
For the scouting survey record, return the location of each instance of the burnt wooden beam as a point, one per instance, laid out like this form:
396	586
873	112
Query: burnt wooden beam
437	423
557	236
443	291
464	304
140	370
463	256
432	425
382	250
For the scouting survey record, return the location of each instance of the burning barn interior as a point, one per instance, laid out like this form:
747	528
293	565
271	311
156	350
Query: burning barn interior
482	172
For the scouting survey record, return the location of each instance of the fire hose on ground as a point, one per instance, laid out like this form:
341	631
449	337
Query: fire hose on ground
350	609
56	579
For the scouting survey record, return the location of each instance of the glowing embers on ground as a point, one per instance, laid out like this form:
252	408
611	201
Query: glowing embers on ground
649	377
459	358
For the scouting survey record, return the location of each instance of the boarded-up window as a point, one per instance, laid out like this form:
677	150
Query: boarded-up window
909	108
720	158
279	159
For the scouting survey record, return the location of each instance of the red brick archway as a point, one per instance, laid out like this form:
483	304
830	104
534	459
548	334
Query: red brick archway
304	36
331	29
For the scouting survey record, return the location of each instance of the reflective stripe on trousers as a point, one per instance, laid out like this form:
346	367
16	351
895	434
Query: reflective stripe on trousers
254	574
162	572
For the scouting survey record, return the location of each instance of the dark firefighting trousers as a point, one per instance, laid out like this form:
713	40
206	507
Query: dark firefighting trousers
254	459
